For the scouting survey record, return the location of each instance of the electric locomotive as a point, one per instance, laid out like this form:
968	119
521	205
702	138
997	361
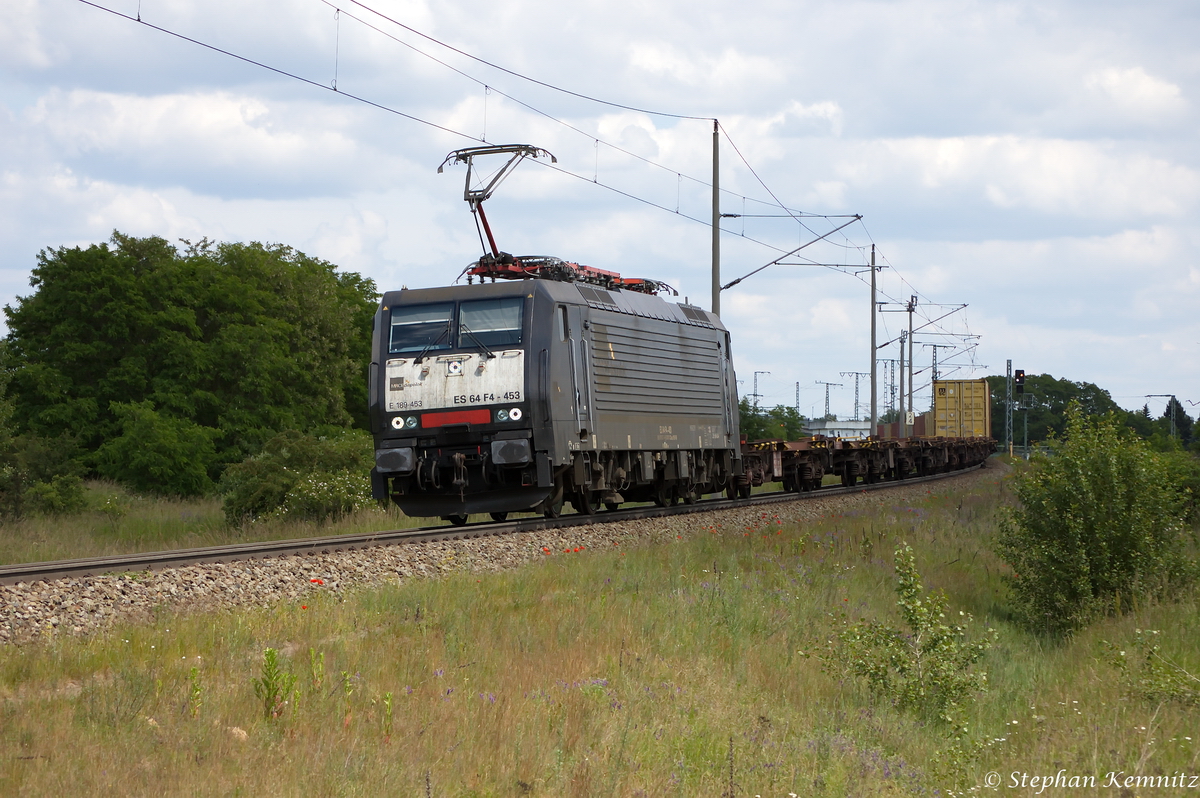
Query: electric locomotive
568	384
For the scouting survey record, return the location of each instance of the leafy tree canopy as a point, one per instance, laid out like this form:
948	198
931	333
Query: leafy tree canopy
778	422
213	350
1045	401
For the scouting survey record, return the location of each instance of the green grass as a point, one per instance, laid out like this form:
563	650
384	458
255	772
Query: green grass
646	671
120	522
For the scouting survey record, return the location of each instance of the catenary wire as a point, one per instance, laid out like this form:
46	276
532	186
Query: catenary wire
777	203
525	77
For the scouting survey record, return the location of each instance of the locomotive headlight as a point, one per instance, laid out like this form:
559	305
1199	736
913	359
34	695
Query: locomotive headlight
411	423
398	422
514	414
502	415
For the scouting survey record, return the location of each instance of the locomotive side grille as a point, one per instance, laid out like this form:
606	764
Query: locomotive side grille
644	366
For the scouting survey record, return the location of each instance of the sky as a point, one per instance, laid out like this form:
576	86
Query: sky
1035	162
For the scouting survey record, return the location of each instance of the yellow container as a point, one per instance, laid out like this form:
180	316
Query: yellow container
961	409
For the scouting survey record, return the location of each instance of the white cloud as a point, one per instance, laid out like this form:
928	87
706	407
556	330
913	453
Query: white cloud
21	42
697	67
1085	178
1135	91
1035	162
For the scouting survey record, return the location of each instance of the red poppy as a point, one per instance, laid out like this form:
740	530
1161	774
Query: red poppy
303	606
317	581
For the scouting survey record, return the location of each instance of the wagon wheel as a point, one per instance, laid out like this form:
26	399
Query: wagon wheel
582	501
457	520
611	505
499	517
744	490
664	496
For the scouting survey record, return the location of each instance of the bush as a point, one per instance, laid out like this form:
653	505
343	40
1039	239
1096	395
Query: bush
40	475
1185	471
300	476
62	494
326	496
929	669
1149	675
1099	526
158	453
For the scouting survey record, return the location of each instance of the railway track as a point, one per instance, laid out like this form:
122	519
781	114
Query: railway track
161	560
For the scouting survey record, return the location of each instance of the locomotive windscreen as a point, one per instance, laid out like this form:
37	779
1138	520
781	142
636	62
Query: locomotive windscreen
491	322
417	327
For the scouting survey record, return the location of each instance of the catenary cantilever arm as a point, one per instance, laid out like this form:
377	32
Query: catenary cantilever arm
793	252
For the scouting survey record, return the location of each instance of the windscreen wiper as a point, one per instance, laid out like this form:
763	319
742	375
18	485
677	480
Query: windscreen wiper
475	338
433	343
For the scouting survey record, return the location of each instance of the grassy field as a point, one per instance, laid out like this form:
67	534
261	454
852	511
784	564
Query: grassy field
694	668
120	522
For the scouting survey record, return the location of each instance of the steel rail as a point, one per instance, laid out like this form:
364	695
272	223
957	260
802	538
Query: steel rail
162	560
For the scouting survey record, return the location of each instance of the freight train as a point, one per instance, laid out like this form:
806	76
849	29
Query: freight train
573	385
564	383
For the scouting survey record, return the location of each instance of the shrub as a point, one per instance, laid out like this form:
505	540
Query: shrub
158	453
929	669
1099	526
62	494
320	470
326	496
40	475
1149	675
1185	471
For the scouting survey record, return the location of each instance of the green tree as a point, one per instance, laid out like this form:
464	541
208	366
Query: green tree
10	500
233	342
158	452
1099	527
1044	404
780	421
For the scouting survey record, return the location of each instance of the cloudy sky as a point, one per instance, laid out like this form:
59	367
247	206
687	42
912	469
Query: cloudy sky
1037	162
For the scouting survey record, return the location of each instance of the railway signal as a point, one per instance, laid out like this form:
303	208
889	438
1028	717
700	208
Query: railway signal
1019	381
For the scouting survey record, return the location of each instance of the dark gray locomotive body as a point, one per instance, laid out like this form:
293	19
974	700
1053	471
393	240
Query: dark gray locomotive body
522	395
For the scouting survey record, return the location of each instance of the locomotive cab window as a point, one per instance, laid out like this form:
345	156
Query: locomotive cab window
416	328
490	322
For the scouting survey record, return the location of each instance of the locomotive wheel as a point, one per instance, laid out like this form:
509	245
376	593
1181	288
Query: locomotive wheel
582	501
552	507
744	491
457	520
499	517
610	506
553	510
665	497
